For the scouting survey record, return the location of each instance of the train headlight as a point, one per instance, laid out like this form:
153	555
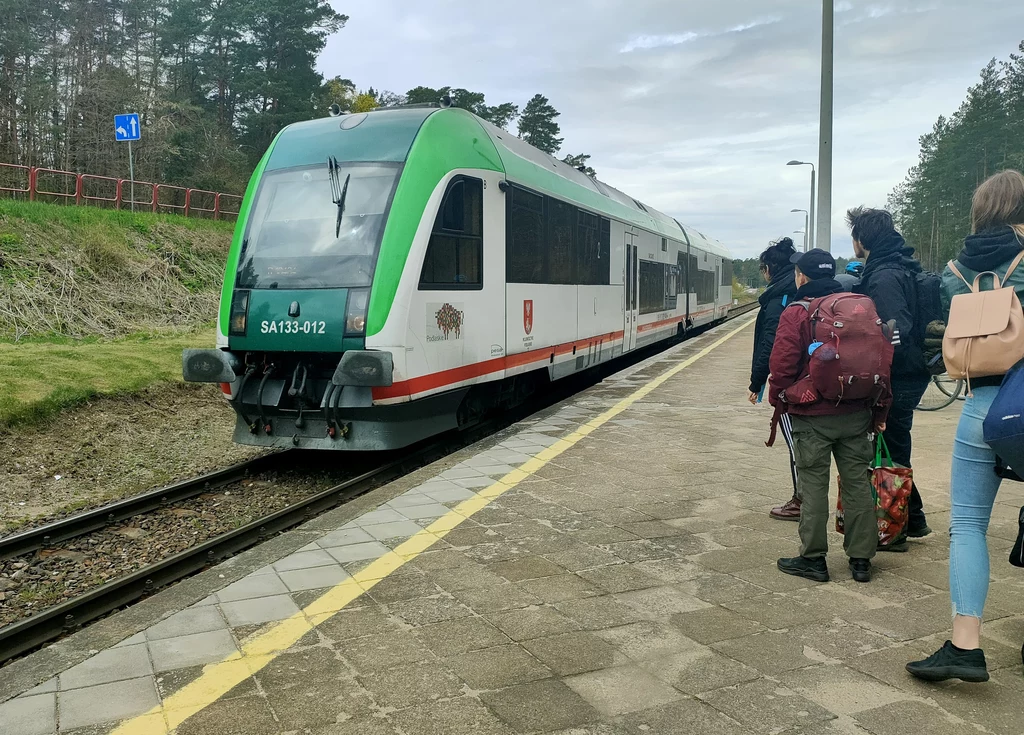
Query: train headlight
355	313
239	313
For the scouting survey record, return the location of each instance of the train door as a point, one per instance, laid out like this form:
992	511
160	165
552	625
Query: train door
632	313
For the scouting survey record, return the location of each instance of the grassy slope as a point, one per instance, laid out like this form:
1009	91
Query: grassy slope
96	302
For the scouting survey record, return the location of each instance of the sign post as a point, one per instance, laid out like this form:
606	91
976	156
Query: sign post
127	129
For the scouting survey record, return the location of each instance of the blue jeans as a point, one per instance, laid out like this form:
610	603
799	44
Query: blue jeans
973	488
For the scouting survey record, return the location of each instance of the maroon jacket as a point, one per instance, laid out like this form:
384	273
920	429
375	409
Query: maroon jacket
789	361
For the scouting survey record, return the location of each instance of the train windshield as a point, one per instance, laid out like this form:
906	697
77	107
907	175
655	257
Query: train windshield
295	238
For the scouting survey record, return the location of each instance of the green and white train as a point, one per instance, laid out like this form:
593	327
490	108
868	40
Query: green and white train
399	273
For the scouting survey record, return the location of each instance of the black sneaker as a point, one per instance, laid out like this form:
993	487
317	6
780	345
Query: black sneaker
950	662
861	569
900	545
801	566
918	530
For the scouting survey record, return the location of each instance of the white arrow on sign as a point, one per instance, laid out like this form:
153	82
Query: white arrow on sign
131	121
122	132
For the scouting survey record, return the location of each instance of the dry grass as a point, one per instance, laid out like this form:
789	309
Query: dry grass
80	272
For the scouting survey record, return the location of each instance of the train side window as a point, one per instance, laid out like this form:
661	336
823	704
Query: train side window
527	261
454	258
561	242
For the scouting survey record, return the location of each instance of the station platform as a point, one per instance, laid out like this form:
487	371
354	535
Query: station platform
605	567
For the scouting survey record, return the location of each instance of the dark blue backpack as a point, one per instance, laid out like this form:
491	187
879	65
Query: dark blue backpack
1004	425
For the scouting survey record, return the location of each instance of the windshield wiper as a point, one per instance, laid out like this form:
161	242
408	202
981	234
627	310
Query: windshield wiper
338	191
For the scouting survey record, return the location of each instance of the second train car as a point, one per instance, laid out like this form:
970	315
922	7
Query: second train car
399	273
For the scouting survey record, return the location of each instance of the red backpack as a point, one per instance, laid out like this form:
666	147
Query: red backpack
853	358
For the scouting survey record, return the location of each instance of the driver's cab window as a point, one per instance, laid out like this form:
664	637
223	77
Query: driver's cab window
454	258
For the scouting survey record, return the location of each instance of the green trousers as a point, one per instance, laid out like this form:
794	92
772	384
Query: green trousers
816	439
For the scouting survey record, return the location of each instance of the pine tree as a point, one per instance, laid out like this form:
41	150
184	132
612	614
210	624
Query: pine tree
579	161
537	125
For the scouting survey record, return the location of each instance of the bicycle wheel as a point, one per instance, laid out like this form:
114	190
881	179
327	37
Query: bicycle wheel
942	391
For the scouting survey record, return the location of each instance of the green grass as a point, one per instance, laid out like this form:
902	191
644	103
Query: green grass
40	379
45	213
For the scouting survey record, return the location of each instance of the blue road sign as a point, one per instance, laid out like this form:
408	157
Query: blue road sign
126	127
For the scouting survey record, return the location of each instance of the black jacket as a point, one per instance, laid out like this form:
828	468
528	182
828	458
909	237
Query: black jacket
889	280
783	285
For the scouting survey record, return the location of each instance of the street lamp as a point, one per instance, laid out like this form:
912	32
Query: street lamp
807	224
810	217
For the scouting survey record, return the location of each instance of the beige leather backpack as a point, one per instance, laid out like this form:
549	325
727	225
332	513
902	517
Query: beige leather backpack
985	332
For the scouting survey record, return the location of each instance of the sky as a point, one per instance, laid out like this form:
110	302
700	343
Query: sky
693	106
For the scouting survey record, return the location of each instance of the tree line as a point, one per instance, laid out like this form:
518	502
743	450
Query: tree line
212	80
932	206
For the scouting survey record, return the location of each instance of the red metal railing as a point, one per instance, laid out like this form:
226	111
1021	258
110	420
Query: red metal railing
106	191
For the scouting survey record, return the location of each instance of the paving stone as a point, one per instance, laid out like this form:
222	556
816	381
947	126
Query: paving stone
609	535
319	702
699	669
359	621
345	537
315	578
595	613
471	534
498	549
261	610
619	578
141	638
191	650
427	512
395	529
532	622
771	652
671	570
252	587
657	603
498	667
382	515
114	664
358	552
713	624
106	703
838	640
574	653
405	584
671	719
899	623
891	719
542	705
576	557
189	620
426	610
616	691
767	707
560	587
382	651
527	567
842	690
462	715
304	560
646	640
719	589
460	636
376	725
241	716
404	686
34	715
640	550
506	596
776	611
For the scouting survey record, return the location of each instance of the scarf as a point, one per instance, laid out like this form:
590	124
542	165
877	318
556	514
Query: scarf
816	289
987	250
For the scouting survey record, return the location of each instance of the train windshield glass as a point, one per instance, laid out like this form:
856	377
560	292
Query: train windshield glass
294	239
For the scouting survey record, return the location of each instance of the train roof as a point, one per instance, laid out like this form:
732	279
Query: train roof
388	136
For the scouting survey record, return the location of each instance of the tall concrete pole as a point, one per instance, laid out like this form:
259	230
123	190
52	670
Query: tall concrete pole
823	235
810	229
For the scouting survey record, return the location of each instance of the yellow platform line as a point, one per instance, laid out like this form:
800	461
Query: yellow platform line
221	677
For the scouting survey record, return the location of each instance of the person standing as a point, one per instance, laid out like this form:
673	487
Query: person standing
889	279
777	269
850	279
826	428
994	245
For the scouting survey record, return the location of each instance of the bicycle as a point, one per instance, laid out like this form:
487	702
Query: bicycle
941	392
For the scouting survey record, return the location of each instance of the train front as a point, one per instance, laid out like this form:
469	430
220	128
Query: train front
292	356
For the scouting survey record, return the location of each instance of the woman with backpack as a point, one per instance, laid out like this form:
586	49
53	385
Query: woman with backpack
996	245
777	269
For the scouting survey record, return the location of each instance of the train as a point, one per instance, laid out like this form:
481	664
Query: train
400	273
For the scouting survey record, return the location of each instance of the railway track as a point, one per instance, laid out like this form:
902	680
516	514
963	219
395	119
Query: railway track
27	634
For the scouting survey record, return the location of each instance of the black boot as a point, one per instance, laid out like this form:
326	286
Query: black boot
861	569
950	662
801	566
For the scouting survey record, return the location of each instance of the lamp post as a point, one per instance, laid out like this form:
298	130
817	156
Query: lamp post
810	217
824	225
807	224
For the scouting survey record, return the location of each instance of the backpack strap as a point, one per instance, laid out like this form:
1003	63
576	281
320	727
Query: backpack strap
785	298
956	271
1013	266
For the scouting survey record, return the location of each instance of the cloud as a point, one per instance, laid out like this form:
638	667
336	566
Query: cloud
695	107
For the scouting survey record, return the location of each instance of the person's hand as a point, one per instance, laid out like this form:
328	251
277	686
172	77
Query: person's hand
752	398
879	428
